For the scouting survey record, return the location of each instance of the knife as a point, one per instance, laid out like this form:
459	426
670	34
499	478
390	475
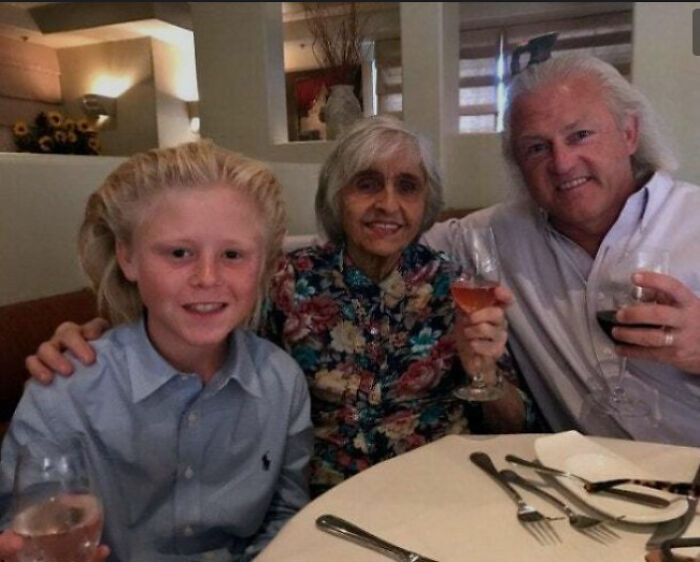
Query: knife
345	529
638	497
676	527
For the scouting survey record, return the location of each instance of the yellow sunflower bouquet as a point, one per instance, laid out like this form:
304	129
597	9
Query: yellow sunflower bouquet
53	133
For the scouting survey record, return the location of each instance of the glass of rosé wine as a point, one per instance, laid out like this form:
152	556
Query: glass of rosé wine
54	508
473	290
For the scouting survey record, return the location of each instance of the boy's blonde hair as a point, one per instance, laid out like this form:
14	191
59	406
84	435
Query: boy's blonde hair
112	212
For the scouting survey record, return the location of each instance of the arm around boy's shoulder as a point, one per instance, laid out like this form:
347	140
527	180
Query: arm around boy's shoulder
55	410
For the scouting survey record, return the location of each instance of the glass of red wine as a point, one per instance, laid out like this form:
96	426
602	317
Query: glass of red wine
54	507
472	291
616	292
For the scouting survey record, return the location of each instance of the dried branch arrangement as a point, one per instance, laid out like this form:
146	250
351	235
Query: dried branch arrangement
337	33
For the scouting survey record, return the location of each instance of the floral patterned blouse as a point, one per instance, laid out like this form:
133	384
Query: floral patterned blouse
380	360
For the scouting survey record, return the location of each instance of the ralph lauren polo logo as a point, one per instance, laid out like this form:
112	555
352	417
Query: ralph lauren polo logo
266	460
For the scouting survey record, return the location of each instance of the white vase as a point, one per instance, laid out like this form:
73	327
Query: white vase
342	109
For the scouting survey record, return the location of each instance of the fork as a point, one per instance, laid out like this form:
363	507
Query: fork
345	529
590	526
533	521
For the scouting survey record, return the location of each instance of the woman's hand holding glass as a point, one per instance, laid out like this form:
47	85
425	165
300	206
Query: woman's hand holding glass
475	293
481	335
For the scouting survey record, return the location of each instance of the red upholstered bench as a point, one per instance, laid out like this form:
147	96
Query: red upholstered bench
23	326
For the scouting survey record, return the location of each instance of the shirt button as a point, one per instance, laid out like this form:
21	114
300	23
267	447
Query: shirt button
187	531
189	473
192	418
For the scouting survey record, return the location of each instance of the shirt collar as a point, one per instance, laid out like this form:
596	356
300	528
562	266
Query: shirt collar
656	191
357	279
149	371
239	365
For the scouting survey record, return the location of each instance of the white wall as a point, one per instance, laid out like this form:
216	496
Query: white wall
665	69
121	69
299	185
475	173
172	65
42	198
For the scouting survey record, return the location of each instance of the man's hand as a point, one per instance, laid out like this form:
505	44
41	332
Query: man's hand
70	336
677	340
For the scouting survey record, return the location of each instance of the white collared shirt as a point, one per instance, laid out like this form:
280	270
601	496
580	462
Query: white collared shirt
554	334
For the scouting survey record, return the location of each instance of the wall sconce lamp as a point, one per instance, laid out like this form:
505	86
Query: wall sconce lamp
100	109
193	115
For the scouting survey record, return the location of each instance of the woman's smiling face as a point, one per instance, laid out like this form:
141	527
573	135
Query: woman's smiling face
382	210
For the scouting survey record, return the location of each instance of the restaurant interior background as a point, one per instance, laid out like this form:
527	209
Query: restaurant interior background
234	65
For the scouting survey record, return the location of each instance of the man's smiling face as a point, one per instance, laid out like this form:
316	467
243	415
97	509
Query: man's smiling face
574	156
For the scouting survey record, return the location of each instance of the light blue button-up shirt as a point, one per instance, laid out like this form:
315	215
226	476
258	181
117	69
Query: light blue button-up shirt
186	471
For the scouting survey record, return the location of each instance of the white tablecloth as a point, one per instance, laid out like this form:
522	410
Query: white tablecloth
434	501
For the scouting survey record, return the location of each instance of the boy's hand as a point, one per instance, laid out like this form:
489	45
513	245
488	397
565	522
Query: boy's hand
11	544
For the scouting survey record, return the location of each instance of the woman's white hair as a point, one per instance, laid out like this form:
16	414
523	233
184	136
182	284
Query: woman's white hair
623	99
366	142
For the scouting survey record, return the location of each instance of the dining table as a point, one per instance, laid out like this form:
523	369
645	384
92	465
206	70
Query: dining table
432	500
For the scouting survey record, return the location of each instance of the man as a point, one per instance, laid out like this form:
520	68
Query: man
595	171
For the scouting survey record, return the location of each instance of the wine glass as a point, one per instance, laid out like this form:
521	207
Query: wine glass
615	292
473	290
54	508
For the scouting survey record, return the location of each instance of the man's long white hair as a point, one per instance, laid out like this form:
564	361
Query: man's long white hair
653	152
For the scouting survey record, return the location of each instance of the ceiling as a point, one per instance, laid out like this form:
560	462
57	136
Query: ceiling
28	5
16	22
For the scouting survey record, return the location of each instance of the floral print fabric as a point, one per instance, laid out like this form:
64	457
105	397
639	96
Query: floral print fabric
380	360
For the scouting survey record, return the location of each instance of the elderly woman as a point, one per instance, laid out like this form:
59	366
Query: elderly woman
369	317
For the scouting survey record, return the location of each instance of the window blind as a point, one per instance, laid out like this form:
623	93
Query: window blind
389	86
607	36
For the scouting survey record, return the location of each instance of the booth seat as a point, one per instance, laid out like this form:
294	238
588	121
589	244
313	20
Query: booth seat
23	326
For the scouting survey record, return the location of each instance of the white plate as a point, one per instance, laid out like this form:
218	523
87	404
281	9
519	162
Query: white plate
572	452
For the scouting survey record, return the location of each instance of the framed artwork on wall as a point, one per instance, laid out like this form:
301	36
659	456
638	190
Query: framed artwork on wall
306	93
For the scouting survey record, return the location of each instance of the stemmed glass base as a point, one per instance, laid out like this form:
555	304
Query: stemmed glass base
479	391
621	403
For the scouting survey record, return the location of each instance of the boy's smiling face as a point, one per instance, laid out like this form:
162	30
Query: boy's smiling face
196	256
